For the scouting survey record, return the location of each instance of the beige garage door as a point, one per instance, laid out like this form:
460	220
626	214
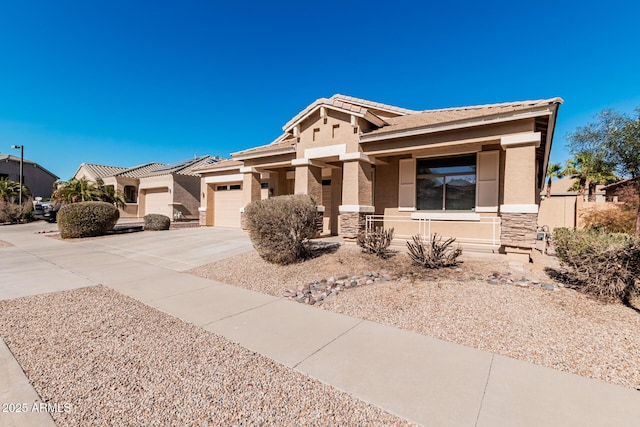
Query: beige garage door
156	200
227	204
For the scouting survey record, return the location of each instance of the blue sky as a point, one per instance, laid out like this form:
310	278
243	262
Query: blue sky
129	82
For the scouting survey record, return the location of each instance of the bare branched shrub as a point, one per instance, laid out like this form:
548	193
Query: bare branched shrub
434	254
279	227
376	242
11	211
616	218
605	265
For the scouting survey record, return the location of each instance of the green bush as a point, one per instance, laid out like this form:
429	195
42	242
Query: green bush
376	242
605	265
86	219
155	222
279	227
436	254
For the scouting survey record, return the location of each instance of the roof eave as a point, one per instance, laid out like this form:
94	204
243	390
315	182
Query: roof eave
244	156
478	121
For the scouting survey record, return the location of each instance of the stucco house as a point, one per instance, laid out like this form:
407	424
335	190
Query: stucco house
474	173
172	190
38	179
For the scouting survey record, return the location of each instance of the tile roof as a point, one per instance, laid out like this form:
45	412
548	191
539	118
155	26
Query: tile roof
140	170
448	115
286	142
185	167
10	158
348	103
224	163
102	171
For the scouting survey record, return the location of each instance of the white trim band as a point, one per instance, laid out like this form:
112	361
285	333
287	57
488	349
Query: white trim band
356	208
485	209
223	178
521	139
446	216
530	209
355	156
201	209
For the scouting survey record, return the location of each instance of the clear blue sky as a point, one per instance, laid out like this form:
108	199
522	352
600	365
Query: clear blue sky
128	82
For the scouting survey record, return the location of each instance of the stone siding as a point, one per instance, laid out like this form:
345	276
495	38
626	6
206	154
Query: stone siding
519	229
202	218
352	223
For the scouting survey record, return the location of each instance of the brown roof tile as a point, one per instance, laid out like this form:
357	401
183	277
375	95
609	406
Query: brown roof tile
447	115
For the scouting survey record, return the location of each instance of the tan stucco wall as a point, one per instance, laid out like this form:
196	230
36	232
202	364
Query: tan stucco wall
558	211
357	183
186	190
327	133
520	175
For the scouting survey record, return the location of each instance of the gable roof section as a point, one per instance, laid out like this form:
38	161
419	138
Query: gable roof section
185	167
100	171
348	104
285	143
10	158
138	171
460	115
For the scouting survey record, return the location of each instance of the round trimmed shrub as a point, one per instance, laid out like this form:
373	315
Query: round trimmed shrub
86	219
155	222
280	226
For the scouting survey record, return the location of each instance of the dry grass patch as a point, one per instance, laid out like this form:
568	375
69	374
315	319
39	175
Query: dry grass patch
561	329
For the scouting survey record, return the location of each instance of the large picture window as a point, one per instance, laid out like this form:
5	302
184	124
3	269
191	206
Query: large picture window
447	184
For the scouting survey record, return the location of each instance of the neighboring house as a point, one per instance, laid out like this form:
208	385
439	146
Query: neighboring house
474	173
622	191
39	180
172	190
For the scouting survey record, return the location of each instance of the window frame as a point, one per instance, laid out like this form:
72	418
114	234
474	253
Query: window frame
444	176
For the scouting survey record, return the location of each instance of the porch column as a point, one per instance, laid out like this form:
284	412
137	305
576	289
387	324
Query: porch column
250	189
308	180
357	194
519	211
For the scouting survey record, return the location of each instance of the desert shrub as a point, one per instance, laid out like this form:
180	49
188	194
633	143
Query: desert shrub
605	265
12	212
155	222
434	254
280	226
376	242
86	219
616	218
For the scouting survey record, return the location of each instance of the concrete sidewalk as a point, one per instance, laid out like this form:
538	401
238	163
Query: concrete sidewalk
422	379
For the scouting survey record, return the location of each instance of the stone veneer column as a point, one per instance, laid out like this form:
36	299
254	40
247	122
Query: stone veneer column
519	211
357	194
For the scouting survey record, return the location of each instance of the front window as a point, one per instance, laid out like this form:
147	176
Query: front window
446	184
130	194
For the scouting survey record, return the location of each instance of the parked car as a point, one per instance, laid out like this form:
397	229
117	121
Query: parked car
46	210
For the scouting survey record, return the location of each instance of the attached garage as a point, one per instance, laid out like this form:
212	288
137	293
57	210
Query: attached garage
227	203
157	200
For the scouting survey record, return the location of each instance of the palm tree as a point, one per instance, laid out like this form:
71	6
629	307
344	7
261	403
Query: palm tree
554	170
77	190
10	190
111	195
590	169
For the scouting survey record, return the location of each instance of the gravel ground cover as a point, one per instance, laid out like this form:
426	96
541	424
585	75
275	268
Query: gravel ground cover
562	329
119	362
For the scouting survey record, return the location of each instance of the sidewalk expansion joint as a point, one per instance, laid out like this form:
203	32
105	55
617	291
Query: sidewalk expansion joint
485	389
242	312
325	345
60	266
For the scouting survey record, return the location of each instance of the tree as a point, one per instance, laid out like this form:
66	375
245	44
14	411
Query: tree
615	137
113	196
10	190
77	190
553	171
590	169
